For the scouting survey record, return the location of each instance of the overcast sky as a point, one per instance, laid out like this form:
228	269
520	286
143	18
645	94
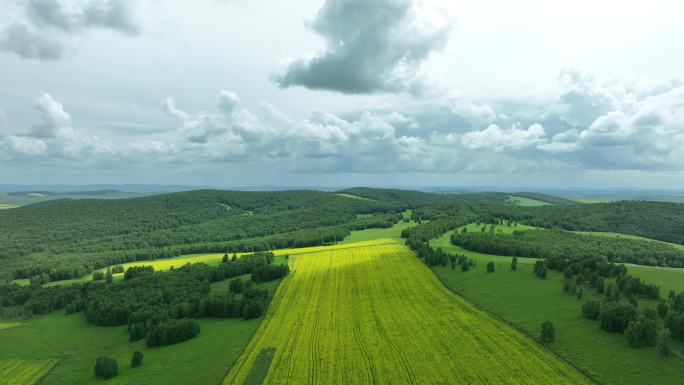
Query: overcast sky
343	92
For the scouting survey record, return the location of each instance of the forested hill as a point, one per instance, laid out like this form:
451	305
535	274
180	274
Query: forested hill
68	238
658	220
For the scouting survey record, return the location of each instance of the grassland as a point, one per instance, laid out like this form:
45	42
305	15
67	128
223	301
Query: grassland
11	325
523	201
76	344
353	196
526	301
4	206
376	314
24	372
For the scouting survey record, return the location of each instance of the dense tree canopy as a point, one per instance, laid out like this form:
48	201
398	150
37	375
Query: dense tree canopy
555	244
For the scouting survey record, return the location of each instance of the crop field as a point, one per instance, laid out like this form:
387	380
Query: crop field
24	372
374	314
511	295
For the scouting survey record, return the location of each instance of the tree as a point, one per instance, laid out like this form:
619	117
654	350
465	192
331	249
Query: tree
662	309
591	309
548	332
465	266
490	267
225	258
136	359
98	276
106	367
234	257
664	347
109	277
675	323
650	313
616	316
253	309
600	285
236	286
642	332
514	264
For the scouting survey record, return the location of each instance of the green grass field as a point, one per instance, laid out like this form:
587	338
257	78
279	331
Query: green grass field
522	201
376	314
4	206
11	325
393	232
353	196
76	344
503	229
526	301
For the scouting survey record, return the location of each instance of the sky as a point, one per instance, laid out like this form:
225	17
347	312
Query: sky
343	92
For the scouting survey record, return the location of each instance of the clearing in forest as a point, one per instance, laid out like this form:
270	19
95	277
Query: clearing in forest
376	315
24	372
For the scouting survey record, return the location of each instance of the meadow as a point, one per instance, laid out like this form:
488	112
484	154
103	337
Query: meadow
376	314
526	301
523	201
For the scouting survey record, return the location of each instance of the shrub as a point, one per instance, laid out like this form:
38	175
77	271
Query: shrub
548	332
136	359
106	367
664	347
490	267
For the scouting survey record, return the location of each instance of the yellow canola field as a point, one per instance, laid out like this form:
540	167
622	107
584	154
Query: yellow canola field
376	315
24	372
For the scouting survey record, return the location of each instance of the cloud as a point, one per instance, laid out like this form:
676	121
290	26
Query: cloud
28	43
55	120
75	15
644	132
46	29
493	137
371	46
21	147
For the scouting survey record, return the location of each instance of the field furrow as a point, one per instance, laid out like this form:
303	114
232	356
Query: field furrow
24	372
